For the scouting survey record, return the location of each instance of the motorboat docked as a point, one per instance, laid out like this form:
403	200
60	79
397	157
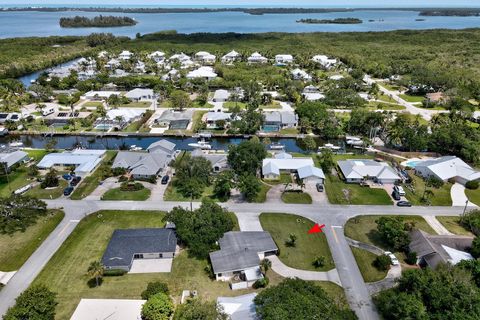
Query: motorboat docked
135	148
202	144
330	146
277	146
203	135
354	141
16	144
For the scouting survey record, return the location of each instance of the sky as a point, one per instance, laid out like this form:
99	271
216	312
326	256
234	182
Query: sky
298	3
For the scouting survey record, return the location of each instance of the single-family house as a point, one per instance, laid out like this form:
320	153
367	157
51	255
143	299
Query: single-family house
11	116
446	168
172	75
102	54
436	98
179	57
214	119
257	58
312	93
434	250
175	120
359	170
140	94
128	245
336	77
125	55
218	160
100	95
276	120
231	57
284	162
9	159
325	61
239	307
157	56
163	146
299	74
139	67
283	59
205	57
206	73
111	309
83	161
142	165
239	257
221	95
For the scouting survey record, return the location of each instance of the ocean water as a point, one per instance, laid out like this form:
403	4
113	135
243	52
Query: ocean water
27	24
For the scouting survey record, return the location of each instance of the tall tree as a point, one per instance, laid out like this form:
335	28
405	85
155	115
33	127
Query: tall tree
37	302
246	157
96	270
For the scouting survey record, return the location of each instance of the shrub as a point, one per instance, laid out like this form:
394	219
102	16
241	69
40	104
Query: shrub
261	283
157	307
122	179
37	302
114	273
475	249
382	262
118	171
411	258
434	182
131	186
471	220
319	261
153	288
472	185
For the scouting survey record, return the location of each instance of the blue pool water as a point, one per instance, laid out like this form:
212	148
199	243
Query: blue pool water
413	163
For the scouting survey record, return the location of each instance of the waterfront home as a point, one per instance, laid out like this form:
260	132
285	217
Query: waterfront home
221	95
435	250
231	57
239	307
125	55
304	168
142	165
238	259
446	168
205	58
277	120
175	120
257	58
217	120
12	116
157	56
206	73
128	247
325	61
100	95
187	64
312	93
10	159
83	161
299	74
140	94
126	114
119	73
218	160
283	59
86	74
112	309
163	146
361	170
112	64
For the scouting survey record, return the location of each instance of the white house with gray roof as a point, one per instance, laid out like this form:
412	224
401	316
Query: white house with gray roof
240	254
212	119
448	167
84	161
281	119
139	94
359	170
163	146
142	165
221	95
12	158
218	160
284	162
230	57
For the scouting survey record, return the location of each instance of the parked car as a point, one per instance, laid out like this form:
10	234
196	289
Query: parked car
67	176
399	189
395	195
67	191
75	181
404	204
392	257
165	179
320	187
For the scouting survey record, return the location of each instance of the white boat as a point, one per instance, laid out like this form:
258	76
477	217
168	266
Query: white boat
354	141
205	135
330	146
15	144
202	144
135	148
277	146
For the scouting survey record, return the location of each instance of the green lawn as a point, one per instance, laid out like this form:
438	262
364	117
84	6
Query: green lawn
36	154
91	182
172	194
15	249
262	195
339	192
414	192
49	193
231	104
17	178
92	104
289	131
365	260
284	178
66	271
118	194
308	246
374	105
412	99
383	97
140	104
296	197
453	225
473	196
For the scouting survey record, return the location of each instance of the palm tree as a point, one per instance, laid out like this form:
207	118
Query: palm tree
95	270
265	264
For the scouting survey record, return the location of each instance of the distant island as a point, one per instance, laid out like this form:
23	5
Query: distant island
331	21
451	12
96	22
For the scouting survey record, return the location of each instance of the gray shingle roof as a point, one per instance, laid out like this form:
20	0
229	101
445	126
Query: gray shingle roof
141	163
13	157
163	145
227	261
127	242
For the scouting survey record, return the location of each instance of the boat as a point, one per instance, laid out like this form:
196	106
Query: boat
354	141
204	135
135	148
330	146
277	146
202	144
16	144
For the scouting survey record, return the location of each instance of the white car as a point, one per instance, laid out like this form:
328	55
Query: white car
400	190
392	257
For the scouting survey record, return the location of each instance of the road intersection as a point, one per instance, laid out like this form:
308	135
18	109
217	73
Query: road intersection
333	216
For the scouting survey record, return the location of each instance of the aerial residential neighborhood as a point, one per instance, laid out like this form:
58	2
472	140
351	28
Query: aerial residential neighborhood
177	166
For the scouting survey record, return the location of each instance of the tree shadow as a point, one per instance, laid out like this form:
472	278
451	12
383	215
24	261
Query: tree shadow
92	283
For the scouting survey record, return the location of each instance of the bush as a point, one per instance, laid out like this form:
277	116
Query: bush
122	179
153	288
472	185
157	307
261	283
475	249
434	182
382	262
131	186
37	302
471	221
411	258
114	273
118	171
319	261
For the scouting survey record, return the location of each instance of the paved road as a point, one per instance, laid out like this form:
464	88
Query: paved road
330	215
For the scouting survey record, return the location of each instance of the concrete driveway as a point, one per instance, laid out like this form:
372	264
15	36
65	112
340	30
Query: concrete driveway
109	183
151	265
459	198
317	197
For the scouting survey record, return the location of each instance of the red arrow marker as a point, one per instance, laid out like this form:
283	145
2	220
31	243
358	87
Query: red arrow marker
316	228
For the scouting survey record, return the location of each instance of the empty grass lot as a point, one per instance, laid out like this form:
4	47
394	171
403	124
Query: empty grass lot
296	197
15	249
118	194
453	225
356	193
172	193
91	182
412	99
441	196
66	272
49	193
473	195
365	260
308	246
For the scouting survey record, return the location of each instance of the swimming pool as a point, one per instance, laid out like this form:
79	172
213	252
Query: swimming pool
412	163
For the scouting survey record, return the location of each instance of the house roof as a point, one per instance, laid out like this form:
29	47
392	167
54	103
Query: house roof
310	171
139	93
228	261
141	163
221	94
231	54
172	115
12	158
360	168
449	167
84	160
202	72
111	309
163	145
283	117
283	155
273	166
127	242
240	307
437	249
217	160
127	114
215	116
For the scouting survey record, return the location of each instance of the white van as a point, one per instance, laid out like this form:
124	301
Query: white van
48	110
400	190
